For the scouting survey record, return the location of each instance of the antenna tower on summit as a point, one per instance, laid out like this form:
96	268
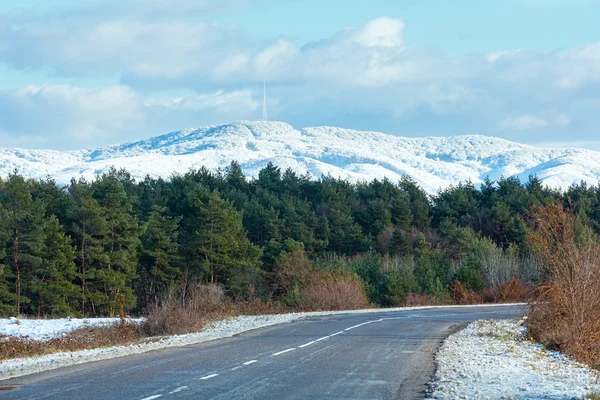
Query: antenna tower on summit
264	114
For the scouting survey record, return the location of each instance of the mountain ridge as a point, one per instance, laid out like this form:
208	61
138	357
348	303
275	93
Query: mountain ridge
434	162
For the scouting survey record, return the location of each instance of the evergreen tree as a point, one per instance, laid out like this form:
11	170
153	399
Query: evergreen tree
88	228
419	202
7	293
219	242
24	223
120	244
52	286
159	252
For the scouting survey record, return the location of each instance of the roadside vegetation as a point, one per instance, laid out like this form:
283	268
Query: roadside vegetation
565	314
204	245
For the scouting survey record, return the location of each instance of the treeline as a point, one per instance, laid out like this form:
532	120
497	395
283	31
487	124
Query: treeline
93	248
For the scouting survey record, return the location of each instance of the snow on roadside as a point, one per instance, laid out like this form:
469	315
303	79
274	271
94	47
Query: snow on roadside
217	330
494	360
46	329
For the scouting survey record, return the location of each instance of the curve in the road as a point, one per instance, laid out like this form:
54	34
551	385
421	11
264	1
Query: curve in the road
349	356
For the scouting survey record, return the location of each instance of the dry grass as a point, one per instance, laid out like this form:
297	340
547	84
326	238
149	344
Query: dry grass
566	313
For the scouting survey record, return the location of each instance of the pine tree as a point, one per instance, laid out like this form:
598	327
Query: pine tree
159	252
120	244
88	228
53	284
7	294
220	242
24	220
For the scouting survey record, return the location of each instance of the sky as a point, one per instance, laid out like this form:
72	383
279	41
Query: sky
87	73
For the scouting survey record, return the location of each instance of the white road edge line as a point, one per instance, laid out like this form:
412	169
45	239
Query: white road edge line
307	344
179	389
208	376
323	338
156	396
284	351
337	333
250	362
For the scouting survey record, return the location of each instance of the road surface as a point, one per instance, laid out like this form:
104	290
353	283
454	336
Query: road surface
386	355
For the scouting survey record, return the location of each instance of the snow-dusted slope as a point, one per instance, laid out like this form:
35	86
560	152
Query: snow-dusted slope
434	162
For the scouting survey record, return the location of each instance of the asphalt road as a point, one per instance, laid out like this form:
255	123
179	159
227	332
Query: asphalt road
352	356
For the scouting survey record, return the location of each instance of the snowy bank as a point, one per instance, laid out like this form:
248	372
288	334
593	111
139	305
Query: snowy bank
46	329
494	360
217	330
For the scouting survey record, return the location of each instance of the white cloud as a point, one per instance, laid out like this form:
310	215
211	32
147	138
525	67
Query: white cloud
524	122
71	117
219	102
366	76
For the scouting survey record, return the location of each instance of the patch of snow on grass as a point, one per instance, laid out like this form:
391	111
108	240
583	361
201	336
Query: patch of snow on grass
494	360
46	329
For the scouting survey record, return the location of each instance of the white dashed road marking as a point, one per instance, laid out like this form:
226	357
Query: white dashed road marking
179	389
208	376
284	351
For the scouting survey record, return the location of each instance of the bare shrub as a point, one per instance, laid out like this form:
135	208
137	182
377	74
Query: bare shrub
566	312
187	310
514	290
333	291
500	266
292	272
422	299
462	295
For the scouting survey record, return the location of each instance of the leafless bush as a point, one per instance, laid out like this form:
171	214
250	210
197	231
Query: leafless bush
462	295
514	290
333	291
187	310
422	299
500	266
566	313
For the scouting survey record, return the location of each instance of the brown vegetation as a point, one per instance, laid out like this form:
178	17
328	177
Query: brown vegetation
566	312
513	291
461	295
187	309
330	291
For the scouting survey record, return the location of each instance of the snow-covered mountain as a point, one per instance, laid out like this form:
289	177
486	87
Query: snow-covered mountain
434	162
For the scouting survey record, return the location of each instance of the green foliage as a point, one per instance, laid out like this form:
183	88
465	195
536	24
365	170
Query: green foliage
159	258
85	247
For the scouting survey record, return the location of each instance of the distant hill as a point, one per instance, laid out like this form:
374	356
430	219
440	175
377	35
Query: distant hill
434	162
